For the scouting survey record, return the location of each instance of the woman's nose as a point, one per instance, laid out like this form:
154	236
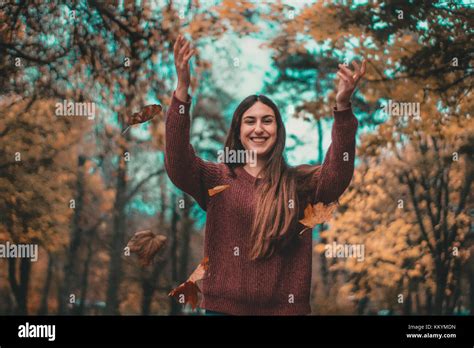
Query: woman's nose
258	128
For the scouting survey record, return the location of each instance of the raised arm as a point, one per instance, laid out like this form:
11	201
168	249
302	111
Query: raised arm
338	166
186	170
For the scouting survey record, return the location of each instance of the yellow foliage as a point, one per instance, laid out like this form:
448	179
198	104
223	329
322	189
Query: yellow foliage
36	187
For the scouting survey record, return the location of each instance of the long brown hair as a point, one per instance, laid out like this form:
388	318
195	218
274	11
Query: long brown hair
277	198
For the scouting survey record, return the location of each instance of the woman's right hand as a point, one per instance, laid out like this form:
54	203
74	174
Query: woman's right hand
182	54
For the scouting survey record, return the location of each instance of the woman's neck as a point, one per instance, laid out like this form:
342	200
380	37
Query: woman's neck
255	169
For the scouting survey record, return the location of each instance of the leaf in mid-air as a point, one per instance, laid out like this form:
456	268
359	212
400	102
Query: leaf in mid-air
200	270
217	189
146	114
317	214
146	244
189	288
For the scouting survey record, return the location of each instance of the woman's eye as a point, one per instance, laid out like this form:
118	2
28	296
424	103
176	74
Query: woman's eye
266	121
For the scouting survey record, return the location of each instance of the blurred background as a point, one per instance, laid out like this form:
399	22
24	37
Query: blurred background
79	189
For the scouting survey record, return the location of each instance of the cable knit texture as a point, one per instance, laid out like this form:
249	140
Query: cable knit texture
235	284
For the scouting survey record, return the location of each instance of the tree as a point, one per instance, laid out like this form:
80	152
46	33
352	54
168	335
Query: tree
35	209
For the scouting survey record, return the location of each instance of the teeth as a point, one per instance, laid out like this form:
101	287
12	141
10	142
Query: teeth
258	140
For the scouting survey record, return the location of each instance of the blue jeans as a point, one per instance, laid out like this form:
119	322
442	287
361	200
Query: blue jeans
208	312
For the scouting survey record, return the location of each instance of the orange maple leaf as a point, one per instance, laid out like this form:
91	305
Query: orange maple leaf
146	244
200	270
317	214
189	288
217	189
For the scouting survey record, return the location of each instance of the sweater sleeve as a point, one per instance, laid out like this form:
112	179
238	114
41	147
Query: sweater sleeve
187	171
338	166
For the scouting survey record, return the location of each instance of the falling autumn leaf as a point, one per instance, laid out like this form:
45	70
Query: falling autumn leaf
146	244
200	270
146	114
217	189
189	288
317	214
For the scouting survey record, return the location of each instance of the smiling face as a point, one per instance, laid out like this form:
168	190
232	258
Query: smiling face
258	129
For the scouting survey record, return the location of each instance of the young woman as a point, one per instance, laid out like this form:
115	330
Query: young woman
259	263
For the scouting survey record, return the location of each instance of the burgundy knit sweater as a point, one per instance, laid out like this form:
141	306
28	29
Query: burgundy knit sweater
235	284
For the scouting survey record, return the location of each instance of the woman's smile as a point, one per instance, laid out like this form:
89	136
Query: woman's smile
259	140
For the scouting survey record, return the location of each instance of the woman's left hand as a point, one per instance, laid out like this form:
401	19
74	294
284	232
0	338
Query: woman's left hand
348	80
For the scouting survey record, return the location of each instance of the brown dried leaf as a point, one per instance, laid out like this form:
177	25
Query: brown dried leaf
190	291
189	288
146	114
146	245
317	214
217	189
200	270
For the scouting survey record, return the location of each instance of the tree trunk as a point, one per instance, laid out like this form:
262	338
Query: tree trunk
147	295
429	302
20	289
117	242
70	268
43	310
455	288
440	294
417	302
59	281
25	270
85	274
362	305
407	305
149	284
